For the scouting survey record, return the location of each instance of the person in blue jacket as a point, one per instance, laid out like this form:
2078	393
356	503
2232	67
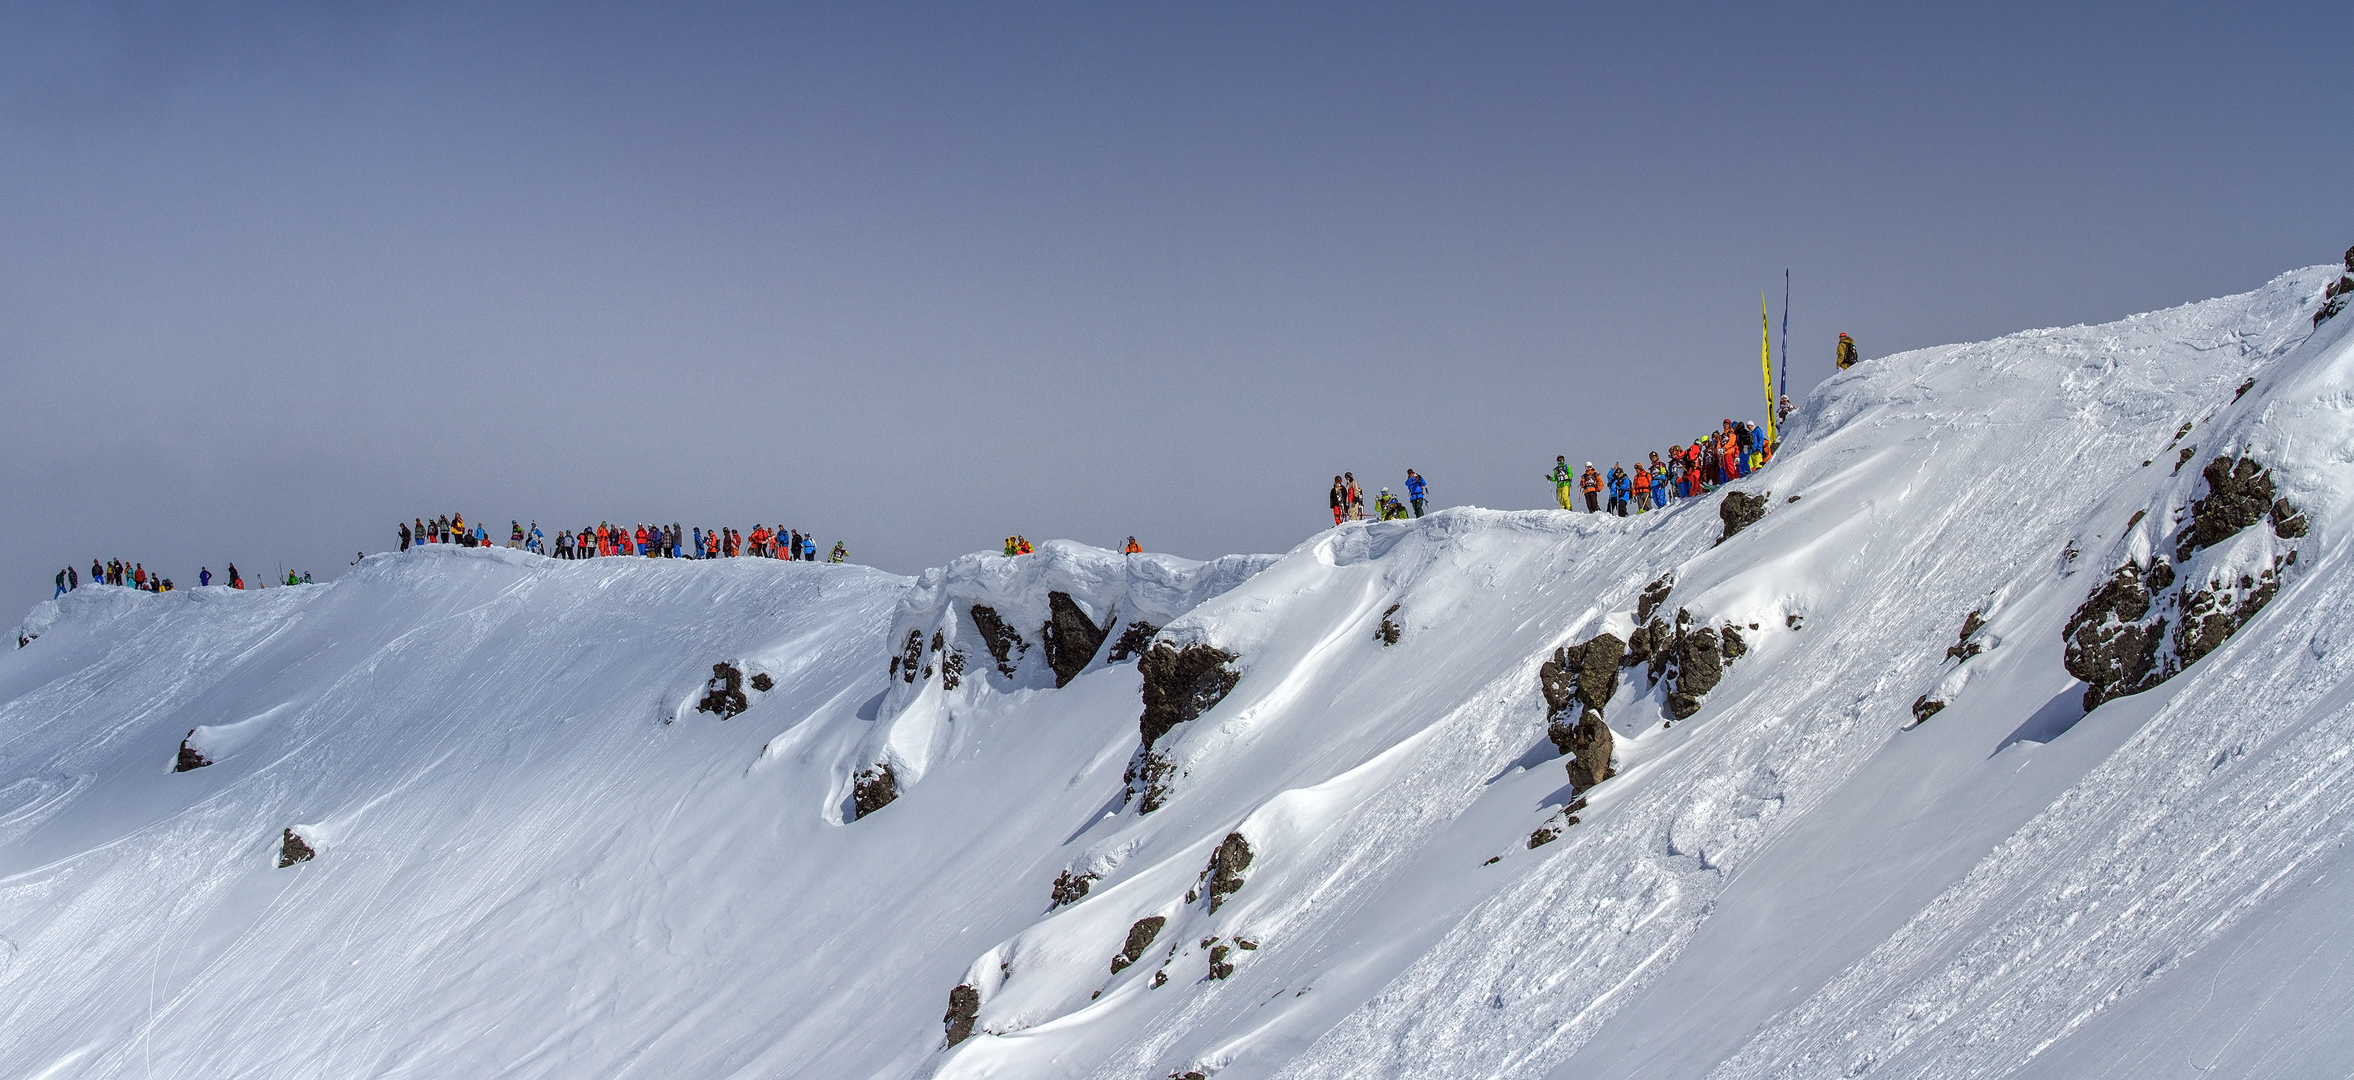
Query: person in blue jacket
204	575
1620	488
1416	490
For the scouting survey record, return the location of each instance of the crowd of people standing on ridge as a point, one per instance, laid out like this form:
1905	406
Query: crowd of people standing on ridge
607	540
1727	454
1348	500
133	575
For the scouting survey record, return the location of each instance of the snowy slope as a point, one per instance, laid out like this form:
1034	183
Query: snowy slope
535	858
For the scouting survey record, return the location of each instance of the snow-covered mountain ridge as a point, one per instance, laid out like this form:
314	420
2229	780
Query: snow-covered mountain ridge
532	856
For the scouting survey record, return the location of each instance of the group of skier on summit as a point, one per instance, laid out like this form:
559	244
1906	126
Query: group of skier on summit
606	540
1734	450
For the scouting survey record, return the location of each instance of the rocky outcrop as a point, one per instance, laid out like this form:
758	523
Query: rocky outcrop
1924	707
1134	639
763	683
2211	614
873	789
1389	630
190	757
2136	630
1226	866
910	655
1219	968
1739	511
1697	660
292	848
724	692
1140	937
2110	645
2333	299
1583	674
964	1007
1965	647
1588	744
1069	888
1654	595
1578	682
1072	639
2239	494
1181	684
1005	646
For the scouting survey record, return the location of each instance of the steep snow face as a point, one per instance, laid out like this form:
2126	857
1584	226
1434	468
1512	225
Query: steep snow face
1362	856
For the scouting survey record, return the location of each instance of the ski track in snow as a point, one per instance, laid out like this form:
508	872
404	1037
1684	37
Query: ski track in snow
535	859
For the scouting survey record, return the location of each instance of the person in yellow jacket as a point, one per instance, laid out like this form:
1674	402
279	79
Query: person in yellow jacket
1564	482
1847	356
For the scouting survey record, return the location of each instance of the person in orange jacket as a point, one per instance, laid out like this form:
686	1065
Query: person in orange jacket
1641	479
1592	483
1133	548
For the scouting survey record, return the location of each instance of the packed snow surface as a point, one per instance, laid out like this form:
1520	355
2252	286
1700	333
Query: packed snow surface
535	858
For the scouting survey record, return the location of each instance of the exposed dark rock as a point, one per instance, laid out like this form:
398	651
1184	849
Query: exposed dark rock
2108	646
1219	968
2248	385
1140	938
724	693
1924	708
1246	944
190	758
2212	614
1646	645
1149	774
1544	835
873	789
1226	867
964	1006
1588	745
2184	458
1582	675
1160	978
1134	639
1389	631
1653	596
293	849
2239	494
2288	522
952	669
1730	645
1181	684
763	683
1963	648
1005	646
1739	511
1699	662
1072	639
1069	888
911	654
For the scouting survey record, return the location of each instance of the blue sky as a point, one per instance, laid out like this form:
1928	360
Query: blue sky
273	277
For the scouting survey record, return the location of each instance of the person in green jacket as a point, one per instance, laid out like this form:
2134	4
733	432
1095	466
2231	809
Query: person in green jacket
840	553
1564	481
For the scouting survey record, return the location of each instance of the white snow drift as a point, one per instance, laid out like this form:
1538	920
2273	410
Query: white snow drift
535	858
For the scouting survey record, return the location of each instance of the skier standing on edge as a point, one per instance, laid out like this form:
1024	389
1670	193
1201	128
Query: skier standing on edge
1416	490
1563	482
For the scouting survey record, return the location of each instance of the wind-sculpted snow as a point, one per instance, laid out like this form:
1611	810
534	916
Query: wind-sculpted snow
533	857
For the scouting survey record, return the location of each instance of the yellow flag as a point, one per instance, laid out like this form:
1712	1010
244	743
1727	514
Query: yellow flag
1765	349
